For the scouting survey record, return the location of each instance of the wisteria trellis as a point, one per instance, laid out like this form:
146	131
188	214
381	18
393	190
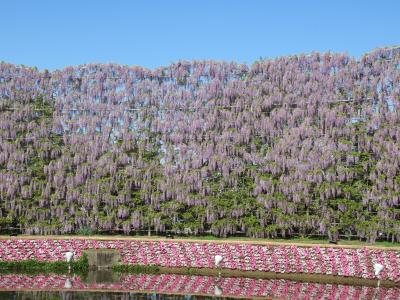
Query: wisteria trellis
305	144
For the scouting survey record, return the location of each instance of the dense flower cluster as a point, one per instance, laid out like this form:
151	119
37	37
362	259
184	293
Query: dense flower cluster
304	144
354	262
203	285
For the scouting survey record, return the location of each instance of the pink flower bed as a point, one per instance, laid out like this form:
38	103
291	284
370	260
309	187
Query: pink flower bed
247	257
205	285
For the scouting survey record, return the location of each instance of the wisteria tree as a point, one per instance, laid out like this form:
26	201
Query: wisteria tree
298	145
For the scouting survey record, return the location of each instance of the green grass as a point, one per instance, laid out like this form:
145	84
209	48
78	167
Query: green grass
80	266
296	240
135	269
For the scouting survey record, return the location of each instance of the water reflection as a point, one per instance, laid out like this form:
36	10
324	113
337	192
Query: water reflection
104	285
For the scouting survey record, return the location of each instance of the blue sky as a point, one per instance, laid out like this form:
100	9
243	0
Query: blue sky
54	34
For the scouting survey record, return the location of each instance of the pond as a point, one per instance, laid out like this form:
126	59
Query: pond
109	285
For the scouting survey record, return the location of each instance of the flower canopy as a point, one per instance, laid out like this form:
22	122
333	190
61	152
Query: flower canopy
305	144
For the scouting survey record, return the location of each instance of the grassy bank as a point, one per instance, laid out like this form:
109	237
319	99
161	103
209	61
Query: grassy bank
136	269
298	240
79	266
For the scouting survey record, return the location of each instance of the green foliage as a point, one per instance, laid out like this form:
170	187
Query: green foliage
5	221
149	269
85	231
80	266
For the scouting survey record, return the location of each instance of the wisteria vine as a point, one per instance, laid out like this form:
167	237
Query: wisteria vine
305	144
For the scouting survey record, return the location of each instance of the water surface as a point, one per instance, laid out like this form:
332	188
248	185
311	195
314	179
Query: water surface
108	285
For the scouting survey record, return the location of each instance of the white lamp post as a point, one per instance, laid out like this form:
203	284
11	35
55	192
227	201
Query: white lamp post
67	284
217	262
68	257
217	291
378	268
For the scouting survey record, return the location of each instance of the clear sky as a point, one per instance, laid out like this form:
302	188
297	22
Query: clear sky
53	34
